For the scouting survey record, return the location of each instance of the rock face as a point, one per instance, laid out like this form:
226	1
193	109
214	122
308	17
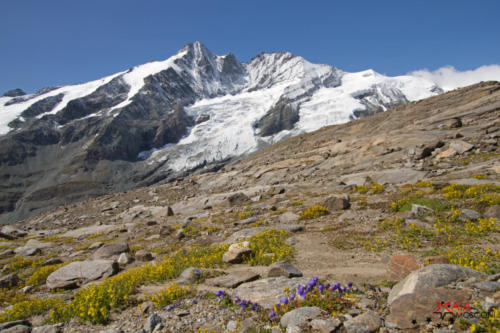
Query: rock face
300	316
368	322
236	252
431	276
110	250
401	265
283	268
337	203
79	272
14	93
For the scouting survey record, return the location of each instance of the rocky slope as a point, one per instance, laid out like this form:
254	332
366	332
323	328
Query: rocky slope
404	205
165	119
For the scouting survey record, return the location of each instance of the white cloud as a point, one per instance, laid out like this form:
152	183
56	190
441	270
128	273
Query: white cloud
448	78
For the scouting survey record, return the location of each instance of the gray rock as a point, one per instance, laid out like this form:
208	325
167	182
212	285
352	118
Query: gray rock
112	330
152	321
412	310
390	176
232	325
238	199
52	261
9	281
453	123
337	203
431	276
288	217
420	210
283	268
170	211
147	307
125	259
236	253
48	329
33	247
461	146
300	316
366	323
17	329
469	214
326	326
23	322
180	234
80	272
14	93
246	221
490	286
493	211
110	250
95	245
190	275
233	279
293	329
143	255
267	291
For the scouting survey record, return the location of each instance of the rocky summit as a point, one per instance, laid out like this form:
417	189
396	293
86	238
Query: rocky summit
388	223
193	112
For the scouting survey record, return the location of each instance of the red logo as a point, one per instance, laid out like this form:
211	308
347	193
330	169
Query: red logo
456	307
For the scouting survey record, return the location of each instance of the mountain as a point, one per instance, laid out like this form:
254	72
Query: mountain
193	112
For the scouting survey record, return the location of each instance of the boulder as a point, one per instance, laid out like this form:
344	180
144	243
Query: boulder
400	266
190	275
267	291
152	321
143	255
431	276
110	250
170	211
325	326
283	268
33	247
453	123
469	215
461	146
493	211
81	272
9	281
236	252
448	153
419	210
288	217
17	329
412	310
48	329
366	323
125	259
9	324
300	316
337	203
238	199
233	279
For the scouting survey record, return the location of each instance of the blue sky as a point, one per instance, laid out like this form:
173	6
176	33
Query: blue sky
55	42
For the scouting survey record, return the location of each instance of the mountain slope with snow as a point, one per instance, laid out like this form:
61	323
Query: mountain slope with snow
167	118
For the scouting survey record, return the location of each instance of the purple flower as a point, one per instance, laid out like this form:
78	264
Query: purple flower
344	289
236	299
335	286
272	315
178	304
283	300
301	290
243	303
170	307
220	293
194	301
313	281
321	288
375	305
327	286
349	285
292	297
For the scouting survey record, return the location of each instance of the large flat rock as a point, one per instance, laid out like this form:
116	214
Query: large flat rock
429	277
267	292
390	176
80	272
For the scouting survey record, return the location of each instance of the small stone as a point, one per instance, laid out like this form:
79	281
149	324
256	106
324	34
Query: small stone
23	322
461	146
180	234
27	289
147	307
490	286
493	211
293	329
366	323
437	260
17	329
300	316
232	325
47	329
9	281
337	203
96	245
238	199
125	259
110	250
448	153
152	321
170	211
52	261
283	268
419	210
453	123
190	275
236	252
468	214
79	272
143	255
326	326
400	266
288	217
233	280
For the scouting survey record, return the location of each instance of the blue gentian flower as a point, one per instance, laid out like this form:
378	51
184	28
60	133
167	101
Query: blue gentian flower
283	300
194	301
349	285
321	288
272	314
170	307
